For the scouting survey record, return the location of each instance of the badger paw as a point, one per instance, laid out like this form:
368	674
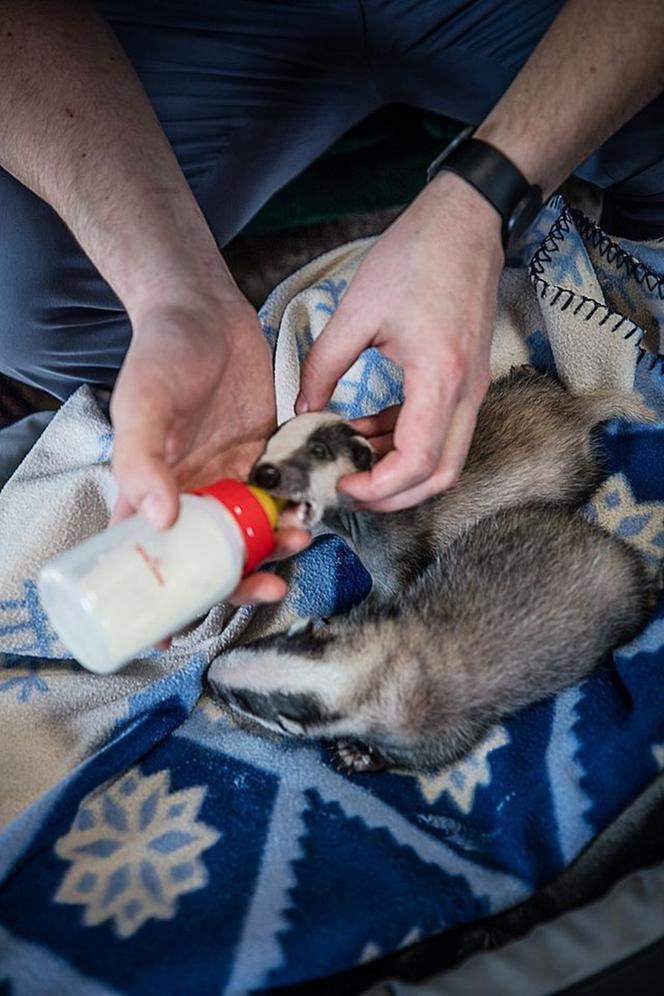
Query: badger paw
350	756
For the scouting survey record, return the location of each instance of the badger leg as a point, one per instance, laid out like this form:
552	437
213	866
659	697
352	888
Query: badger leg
354	757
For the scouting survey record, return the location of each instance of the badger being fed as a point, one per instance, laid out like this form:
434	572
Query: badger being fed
485	599
306	457
533	442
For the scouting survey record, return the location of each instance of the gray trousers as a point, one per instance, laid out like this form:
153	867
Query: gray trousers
249	92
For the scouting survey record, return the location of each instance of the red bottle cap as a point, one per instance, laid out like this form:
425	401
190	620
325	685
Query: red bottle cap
253	516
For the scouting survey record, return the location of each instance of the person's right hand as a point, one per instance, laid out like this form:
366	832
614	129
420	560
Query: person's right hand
194	402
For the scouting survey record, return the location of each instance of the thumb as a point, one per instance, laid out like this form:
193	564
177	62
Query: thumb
139	464
332	354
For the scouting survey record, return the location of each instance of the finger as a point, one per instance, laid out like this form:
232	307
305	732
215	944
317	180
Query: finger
290	540
139	464
258	589
122	509
414	496
175	448
382	444
459	438
418	437
331	355
455	451
379	424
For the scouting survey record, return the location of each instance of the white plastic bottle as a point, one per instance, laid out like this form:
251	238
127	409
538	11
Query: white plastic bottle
122	591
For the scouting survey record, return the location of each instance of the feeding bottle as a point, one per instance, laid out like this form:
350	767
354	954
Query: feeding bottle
122	591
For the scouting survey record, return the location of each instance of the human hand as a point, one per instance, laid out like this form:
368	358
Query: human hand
425	296
194	402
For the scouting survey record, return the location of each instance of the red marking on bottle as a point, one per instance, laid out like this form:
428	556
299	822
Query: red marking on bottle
152	563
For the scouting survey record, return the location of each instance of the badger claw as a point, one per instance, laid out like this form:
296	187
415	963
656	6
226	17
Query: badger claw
352	757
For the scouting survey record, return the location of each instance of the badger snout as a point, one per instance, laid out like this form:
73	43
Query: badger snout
286	479
291	483
266	475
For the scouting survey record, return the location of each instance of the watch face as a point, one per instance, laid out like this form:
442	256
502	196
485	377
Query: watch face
523	215
517	225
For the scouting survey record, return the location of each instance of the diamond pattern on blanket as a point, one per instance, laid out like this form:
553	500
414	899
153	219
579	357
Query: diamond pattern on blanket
387	869
641	523
461	780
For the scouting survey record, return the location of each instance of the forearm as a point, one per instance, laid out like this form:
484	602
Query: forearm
76	127
594	69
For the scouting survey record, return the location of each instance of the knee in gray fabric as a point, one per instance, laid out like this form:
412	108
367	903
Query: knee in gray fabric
634	215
60	325
24	310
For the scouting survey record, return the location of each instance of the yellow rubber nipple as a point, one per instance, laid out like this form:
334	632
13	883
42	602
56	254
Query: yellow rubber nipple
271	506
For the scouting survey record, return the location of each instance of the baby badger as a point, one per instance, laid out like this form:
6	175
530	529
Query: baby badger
533	442
486	598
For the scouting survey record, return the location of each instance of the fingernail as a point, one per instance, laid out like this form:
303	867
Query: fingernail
301	405
154	510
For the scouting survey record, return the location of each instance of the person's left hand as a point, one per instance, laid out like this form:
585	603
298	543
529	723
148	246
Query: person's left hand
425	296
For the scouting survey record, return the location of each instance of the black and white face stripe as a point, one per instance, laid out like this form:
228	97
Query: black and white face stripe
306	457
330	442
292	713
284	683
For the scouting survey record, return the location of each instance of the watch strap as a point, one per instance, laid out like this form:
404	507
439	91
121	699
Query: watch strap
494	176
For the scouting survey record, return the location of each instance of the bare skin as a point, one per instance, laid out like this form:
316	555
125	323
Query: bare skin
194	400
426	293
195	396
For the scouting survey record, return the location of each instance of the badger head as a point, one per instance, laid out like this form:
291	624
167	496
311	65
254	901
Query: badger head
372	701
306	457
288	682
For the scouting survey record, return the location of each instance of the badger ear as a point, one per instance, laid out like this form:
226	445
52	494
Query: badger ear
362	453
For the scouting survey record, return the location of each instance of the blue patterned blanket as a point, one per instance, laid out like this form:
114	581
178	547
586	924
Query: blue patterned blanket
151	846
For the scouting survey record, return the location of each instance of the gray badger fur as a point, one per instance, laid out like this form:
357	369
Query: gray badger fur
485	599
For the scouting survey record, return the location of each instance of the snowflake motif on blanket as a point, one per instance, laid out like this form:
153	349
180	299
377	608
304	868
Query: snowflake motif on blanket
371	384
616	509
462	780
135	848
105	443
24	626
24	679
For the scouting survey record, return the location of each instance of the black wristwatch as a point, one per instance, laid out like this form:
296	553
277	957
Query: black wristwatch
495	177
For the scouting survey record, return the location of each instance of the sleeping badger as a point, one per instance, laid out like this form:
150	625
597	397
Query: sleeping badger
485	598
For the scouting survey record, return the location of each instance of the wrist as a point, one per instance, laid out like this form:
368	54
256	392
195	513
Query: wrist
531	155
199	291
198	306
454	200
164	257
